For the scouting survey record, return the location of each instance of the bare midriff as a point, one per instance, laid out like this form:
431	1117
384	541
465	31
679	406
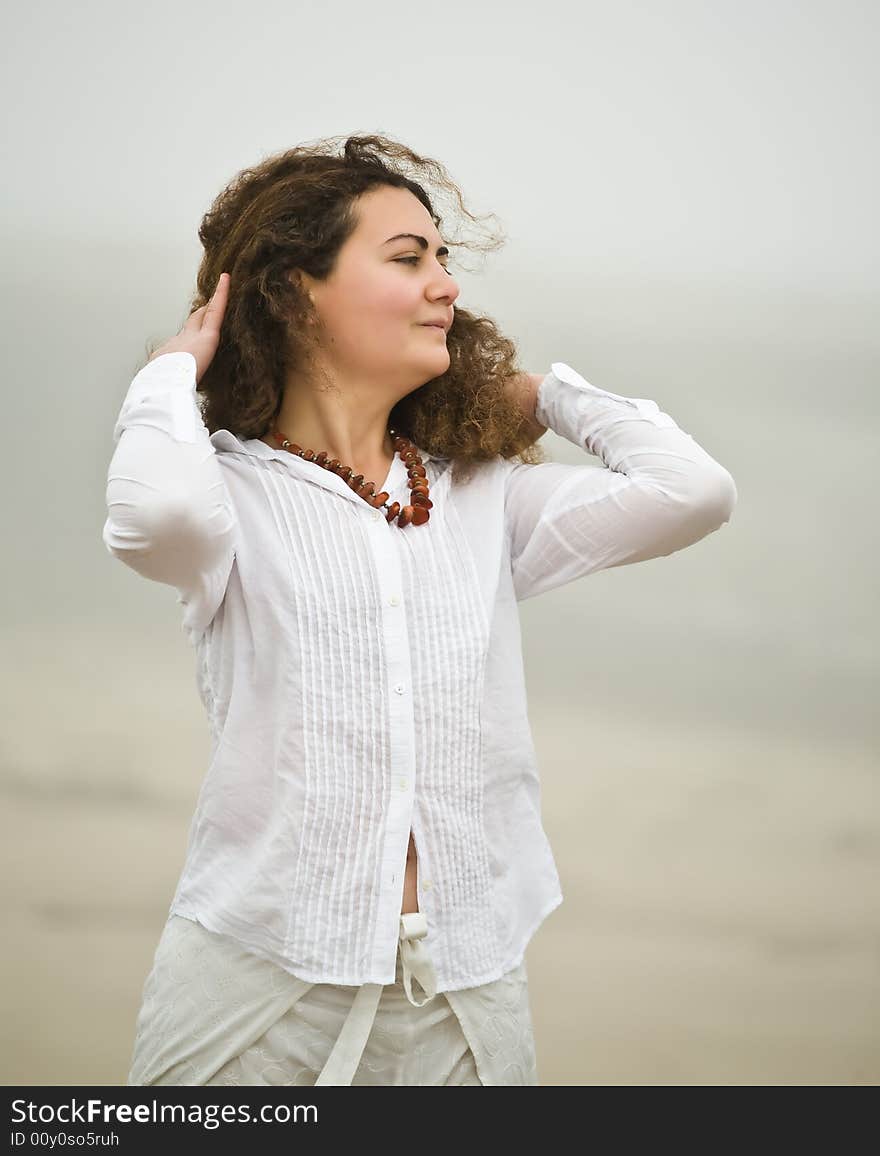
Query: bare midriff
410	880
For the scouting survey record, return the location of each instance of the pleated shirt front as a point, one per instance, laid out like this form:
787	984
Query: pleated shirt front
362	680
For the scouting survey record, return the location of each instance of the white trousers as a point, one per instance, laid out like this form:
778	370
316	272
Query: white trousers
214	1013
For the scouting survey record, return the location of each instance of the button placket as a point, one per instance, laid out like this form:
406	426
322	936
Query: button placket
401	761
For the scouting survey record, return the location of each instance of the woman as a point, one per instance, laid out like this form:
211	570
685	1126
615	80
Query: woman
350	521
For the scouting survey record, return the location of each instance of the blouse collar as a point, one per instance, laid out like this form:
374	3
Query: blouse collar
225	441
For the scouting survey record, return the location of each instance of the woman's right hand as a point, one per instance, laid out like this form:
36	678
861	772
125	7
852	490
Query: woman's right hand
200	335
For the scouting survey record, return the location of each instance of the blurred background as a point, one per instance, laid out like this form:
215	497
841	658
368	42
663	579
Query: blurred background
687	193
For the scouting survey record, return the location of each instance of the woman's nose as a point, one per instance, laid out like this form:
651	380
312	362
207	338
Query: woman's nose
447	289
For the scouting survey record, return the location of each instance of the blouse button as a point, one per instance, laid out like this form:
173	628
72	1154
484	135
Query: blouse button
426	884
376	515
394	599
399	687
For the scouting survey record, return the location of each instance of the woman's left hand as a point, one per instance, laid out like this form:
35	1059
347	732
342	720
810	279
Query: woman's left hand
524	390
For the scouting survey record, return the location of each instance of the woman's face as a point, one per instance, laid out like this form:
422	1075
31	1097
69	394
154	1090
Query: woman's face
375	303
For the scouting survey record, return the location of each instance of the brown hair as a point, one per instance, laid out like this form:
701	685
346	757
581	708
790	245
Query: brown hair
294	210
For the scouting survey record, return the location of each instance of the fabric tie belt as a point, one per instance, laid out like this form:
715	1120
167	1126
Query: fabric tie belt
343	1060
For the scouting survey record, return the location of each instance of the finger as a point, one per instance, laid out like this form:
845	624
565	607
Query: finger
216	306
194	321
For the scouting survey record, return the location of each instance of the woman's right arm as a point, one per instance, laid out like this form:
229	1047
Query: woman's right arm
170	516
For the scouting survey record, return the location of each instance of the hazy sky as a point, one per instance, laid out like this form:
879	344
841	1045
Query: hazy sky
689	191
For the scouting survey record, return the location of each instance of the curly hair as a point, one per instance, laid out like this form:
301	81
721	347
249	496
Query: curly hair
293	211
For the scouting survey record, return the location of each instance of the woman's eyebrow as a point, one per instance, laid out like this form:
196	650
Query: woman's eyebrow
421	240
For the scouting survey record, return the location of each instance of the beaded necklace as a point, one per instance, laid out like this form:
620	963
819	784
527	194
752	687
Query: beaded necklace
417	513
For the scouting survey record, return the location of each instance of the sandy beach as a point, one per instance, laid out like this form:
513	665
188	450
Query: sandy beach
719	925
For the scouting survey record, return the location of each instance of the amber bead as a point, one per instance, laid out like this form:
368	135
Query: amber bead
420	498
379	499
392	511
420	515
419	471
406	516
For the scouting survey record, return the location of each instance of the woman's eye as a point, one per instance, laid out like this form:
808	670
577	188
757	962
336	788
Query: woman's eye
415	261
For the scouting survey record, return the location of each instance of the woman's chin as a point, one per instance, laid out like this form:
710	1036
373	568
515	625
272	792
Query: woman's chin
436	360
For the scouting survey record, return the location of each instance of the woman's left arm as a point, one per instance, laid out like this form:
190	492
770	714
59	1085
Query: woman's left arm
659	491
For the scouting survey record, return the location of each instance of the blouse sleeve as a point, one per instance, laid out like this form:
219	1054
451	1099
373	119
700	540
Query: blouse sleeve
657	491
170	516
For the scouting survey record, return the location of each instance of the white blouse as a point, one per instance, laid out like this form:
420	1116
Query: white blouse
362	680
